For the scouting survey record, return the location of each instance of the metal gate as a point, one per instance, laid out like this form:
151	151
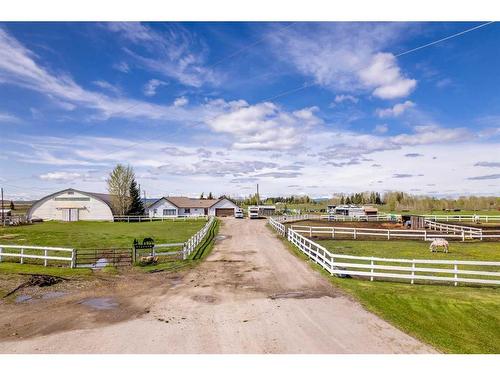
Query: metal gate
98	258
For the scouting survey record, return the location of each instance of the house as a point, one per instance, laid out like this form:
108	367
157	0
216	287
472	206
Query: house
184	206
72	205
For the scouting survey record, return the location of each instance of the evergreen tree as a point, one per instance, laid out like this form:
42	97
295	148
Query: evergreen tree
12	207
136	204
210	196
201	196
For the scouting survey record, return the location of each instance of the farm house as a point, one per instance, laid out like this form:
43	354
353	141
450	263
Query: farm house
184	206
72	205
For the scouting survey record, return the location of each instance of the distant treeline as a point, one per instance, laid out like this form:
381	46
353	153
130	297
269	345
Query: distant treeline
390	201
403	201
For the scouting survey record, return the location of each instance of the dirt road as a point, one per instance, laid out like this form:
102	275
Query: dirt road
249	296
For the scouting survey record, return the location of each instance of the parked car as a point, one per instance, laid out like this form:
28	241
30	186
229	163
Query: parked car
238	213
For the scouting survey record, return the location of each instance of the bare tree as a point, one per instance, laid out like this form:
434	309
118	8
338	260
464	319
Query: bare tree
119	182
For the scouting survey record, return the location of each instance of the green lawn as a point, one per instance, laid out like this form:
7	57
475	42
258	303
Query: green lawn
452	319
98	234
414	249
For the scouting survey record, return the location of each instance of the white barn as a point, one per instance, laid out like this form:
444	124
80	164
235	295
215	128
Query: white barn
183	206
72	205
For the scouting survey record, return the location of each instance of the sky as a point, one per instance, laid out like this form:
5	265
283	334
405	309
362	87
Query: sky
299	108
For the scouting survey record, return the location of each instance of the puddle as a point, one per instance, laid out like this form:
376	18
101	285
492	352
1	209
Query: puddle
101	263
297	295
100	303
23	298
51	295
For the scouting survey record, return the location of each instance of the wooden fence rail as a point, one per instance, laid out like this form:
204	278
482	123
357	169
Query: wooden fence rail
37	252
447	271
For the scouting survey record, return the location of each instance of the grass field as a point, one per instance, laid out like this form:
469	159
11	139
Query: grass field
98	234
414	249
452	319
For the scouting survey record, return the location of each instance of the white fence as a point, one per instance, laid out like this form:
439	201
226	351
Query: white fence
448	271
37	252
470	218
469	232
382	217
140	219
191	244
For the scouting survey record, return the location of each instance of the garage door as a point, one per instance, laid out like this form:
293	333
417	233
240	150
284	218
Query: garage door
224	212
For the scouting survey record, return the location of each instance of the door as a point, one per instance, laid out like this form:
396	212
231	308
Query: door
66	214
73	214
224	212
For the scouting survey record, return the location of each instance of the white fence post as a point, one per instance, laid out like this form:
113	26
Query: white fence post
22	258
455	268
45	253
371	271
413	272
1	250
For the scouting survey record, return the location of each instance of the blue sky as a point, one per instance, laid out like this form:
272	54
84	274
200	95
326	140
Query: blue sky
314	108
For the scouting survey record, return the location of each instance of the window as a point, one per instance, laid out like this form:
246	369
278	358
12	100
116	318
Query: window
187	210
155	211
169	212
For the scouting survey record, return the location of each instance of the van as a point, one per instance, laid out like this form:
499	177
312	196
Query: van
238	213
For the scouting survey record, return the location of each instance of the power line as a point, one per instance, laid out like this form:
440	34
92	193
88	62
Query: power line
446	38
401	54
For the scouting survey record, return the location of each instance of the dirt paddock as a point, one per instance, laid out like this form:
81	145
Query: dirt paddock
250	295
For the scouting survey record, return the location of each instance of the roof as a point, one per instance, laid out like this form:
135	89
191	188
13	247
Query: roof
185	202
105	198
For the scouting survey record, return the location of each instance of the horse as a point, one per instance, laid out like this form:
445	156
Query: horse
439	242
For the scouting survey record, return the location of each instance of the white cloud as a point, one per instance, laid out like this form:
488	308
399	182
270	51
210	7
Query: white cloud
428	134
346	57
152	85
122	67
18	67
8	118
342	98
107	86
381	129
174	53
180	102
263	126
385	76
396	110
60	176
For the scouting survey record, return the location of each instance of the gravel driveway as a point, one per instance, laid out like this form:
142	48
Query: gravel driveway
249	296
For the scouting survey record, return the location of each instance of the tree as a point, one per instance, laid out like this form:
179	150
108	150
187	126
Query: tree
210	196
12	207
119	182
136	204
201	196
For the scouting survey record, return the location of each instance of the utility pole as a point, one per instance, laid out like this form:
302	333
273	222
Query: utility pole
258	196
3	213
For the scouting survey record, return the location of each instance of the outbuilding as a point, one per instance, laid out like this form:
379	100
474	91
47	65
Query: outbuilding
72	205
184	206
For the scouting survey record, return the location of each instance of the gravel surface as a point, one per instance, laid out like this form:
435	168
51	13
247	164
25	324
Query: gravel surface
251	295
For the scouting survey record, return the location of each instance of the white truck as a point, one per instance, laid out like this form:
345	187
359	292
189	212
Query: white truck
253	212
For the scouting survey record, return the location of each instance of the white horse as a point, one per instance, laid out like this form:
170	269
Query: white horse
437	243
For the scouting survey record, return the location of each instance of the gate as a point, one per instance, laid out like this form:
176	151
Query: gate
98	258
